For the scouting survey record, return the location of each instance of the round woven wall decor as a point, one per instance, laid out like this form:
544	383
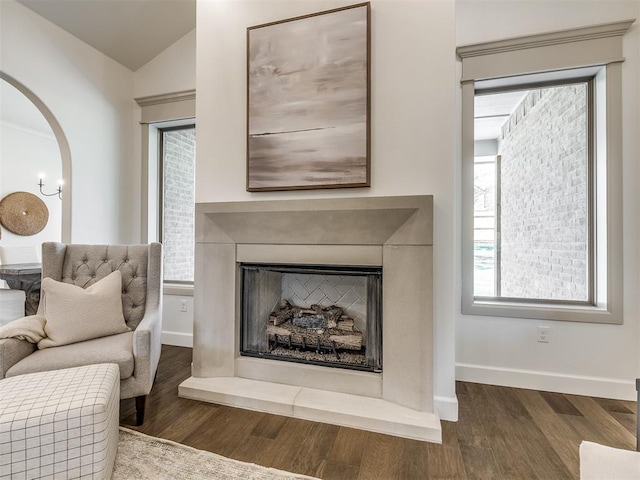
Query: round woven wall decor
23	213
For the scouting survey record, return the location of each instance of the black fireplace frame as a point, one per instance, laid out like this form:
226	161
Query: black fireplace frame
374	310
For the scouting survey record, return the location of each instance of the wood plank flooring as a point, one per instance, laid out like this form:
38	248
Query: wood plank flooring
502	433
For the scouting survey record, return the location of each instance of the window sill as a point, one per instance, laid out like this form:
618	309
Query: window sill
567	313
185	290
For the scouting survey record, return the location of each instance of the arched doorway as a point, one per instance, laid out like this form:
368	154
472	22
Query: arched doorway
56	172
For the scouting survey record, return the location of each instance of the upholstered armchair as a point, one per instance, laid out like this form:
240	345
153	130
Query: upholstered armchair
136	352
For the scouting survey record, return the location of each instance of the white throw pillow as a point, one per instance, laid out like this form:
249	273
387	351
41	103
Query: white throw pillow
75	314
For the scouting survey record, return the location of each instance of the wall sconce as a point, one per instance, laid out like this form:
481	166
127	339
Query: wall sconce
57	192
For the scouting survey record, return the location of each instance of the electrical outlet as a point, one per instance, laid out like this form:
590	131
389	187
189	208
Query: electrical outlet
543	334
183	305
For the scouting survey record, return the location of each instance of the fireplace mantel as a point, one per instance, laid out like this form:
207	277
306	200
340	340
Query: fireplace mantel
392	232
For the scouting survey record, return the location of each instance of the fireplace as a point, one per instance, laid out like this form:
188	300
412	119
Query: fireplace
383	242
328	315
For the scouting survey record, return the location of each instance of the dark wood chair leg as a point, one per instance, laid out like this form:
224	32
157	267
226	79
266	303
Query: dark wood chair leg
140	404
638	417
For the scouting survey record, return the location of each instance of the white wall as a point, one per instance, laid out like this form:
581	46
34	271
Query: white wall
597	360
91	97
412	137
174	70
177	320
24	154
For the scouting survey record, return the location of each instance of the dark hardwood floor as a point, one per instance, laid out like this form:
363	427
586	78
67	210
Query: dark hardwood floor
502	433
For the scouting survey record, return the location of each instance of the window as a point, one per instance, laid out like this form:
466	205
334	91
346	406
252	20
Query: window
541	176
485	228
177	205
532	215
168	183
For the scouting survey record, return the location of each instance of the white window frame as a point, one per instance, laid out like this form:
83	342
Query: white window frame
552	55
160	111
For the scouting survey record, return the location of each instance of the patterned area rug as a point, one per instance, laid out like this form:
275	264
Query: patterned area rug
142	457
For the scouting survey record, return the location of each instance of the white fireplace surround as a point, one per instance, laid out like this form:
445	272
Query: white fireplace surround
393	232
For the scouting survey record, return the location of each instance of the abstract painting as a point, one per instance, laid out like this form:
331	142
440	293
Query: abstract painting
308	101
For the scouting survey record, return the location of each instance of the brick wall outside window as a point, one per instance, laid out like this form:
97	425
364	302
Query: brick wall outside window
178	204
544	196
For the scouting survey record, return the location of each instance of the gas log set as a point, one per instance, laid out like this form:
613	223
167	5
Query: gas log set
315	328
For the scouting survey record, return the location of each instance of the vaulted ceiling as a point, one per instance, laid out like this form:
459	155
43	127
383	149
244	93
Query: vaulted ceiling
131	32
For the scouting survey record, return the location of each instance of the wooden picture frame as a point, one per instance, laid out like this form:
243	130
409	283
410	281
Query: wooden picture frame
308	101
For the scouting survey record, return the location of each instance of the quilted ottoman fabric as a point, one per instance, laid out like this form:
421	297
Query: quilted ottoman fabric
60	424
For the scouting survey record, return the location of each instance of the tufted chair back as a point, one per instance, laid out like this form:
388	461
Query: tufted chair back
84	265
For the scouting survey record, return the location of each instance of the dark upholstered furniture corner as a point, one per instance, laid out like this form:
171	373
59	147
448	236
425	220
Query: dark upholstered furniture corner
137	352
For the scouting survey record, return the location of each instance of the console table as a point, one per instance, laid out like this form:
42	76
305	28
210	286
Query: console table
26	277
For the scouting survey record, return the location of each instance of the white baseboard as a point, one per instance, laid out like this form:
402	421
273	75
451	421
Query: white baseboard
177	339
447	408
547	382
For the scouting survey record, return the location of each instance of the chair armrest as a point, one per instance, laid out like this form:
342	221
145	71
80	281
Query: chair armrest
12	350
147	343
147	337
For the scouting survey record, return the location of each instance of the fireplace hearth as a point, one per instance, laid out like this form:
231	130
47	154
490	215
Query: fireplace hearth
314	314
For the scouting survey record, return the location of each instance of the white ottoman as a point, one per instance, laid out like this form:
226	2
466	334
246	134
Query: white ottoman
60	424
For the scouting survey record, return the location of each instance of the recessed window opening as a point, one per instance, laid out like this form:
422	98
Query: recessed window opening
533	215
177	201
542	175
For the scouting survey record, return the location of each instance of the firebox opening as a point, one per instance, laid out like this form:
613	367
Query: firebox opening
329	315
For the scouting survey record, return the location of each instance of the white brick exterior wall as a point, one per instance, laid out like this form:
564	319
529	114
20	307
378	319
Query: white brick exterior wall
178	204
544	196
